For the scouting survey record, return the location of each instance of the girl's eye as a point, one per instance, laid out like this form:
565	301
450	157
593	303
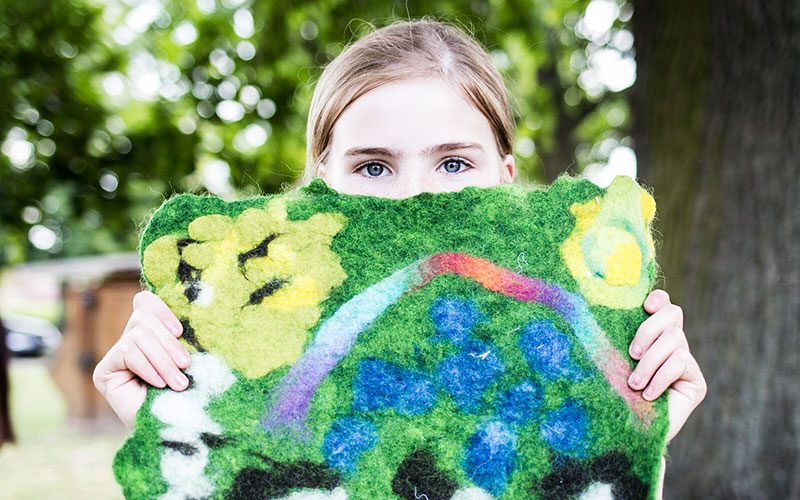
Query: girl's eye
454	165
373	169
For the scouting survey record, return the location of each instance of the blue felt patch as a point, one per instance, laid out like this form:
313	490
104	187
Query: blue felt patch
566	430
467	374
454	319
521	403
379	385
547	351
346	440
490	456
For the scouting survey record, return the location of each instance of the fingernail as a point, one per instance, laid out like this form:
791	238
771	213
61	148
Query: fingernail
652	302
636	351
633	380
648	393
160	381
181	381
175	328
184	358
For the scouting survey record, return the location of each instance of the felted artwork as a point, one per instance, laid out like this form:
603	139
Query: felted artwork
461	346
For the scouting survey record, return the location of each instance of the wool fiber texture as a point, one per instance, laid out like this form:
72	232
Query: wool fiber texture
456	346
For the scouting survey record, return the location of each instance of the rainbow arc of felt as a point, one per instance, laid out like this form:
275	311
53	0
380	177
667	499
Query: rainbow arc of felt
288	409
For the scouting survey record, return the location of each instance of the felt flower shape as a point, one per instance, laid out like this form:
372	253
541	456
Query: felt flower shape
248	288
610	248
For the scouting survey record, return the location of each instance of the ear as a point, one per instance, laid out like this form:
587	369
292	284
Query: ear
508	169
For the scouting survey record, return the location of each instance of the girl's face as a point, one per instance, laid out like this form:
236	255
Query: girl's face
410	136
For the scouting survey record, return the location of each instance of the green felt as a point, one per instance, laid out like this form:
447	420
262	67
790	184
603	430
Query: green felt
516	228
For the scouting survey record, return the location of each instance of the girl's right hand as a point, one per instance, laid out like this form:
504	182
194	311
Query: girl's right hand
148	352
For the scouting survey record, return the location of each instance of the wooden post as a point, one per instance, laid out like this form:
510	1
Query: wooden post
95	317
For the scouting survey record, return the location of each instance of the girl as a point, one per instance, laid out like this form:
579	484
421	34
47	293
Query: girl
415	106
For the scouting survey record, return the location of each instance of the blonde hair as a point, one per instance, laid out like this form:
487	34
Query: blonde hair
406	49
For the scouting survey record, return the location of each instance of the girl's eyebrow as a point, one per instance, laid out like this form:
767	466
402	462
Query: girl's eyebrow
392	153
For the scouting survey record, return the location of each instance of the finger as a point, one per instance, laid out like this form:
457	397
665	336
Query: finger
159	359
169	342
154	303
136	362
684	396
673	369
667	343
653	327
656	300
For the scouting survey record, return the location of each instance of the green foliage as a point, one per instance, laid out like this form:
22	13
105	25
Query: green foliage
114	105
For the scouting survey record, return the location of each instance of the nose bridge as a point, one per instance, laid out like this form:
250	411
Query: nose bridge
411	177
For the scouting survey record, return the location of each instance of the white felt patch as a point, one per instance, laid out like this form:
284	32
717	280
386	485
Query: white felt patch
336	494
205	294
185	456
598	491
172	409
472	494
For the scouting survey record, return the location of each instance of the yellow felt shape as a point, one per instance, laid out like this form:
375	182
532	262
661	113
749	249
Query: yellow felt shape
624	265
648	207
161	259
251	287
210	227
610	247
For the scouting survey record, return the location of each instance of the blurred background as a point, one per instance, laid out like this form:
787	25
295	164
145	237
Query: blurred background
110	106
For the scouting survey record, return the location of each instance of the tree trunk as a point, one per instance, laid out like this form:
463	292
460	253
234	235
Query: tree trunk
717	108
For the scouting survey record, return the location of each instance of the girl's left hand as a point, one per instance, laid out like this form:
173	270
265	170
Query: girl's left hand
665	362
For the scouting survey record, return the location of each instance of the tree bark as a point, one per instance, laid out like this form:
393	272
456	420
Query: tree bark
717	129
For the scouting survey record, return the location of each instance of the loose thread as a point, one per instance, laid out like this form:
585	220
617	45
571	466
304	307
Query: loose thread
522	256
421	495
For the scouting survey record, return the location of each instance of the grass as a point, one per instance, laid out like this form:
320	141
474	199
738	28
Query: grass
50	458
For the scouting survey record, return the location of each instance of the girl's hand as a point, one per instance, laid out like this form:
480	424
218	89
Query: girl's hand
148	352
665	361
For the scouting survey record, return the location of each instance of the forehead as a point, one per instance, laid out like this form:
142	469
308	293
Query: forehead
411	115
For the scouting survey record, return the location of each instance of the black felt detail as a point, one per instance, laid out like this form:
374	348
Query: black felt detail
418	475
190	379
192	291
187	273
189	336
265	291
278	479
614	468
214	441
569	478
182	244
189	276
259	251
182	448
